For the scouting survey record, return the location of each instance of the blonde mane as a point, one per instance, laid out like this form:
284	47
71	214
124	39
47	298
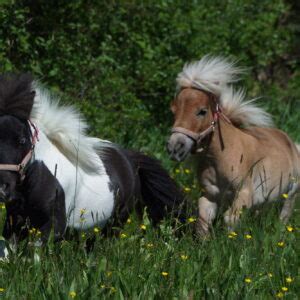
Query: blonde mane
216	75
66	129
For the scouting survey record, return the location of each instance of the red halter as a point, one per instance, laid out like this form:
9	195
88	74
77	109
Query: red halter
20	167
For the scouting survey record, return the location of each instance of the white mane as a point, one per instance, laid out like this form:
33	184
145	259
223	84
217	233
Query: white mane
66	129
216	75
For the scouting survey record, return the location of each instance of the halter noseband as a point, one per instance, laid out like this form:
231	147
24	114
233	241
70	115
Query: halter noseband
198	137
21	167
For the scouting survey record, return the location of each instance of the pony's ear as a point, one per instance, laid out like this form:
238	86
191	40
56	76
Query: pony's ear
16	95
173	106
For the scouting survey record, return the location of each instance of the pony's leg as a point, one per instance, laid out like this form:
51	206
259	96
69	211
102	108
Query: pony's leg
243	200
287	208
207	213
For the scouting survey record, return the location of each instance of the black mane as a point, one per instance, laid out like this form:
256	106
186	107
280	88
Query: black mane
16	95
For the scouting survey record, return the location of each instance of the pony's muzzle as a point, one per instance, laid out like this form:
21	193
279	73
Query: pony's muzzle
179	146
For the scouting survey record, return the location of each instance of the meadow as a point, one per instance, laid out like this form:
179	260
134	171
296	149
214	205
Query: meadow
117	62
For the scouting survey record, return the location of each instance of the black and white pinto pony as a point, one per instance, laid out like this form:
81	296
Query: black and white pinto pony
53	176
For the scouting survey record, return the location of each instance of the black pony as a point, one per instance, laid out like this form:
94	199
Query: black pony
53	176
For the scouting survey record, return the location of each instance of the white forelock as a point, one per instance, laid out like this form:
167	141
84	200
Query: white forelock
210	74
216	75
66	129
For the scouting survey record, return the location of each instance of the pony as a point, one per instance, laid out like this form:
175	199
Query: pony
241	160
53	176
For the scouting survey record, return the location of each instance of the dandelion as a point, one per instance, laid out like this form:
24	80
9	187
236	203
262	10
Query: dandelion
192	220
232	234
82	211
284	289
280	244
184	257
143	226
123	235
2	290
128	221
177	171
248	280
187	171
285	196
165	274
248	236
187	189
72	294
279	295
96	230
289	279
289	228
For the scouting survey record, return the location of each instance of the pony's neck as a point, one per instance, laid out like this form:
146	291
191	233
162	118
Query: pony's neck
224	138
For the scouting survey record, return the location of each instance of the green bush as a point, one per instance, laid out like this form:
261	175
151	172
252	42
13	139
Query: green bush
118	60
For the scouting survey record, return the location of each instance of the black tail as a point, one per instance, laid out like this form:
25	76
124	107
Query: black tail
159	191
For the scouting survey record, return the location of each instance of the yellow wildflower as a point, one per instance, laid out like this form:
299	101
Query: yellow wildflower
280	244
233	233
123	235
184	257
2	206
279	295
82	211
248	236
289	279
289	228
72	294
270	275
285	196
96	230
192	220
2	290
143	226
187	189
150	245
128	221
164	274
187	171
177	171
113	289
83	235
248	280
38	233
284	289
102	286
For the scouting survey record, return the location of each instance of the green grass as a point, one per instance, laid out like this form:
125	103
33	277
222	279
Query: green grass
131	264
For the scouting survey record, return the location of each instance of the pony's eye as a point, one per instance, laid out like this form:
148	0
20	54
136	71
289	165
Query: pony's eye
22	141
202	112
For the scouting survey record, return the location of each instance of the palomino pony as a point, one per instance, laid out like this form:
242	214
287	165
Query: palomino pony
52	175
240	160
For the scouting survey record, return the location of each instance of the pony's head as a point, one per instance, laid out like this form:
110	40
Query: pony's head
194	112
205	93
16	100
15	143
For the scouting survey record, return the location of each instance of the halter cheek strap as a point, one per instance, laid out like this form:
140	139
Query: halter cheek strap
198	137
21	167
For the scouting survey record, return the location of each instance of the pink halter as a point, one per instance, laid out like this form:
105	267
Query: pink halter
20	167
198	137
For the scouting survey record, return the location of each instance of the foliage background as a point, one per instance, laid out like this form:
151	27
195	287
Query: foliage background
118	60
